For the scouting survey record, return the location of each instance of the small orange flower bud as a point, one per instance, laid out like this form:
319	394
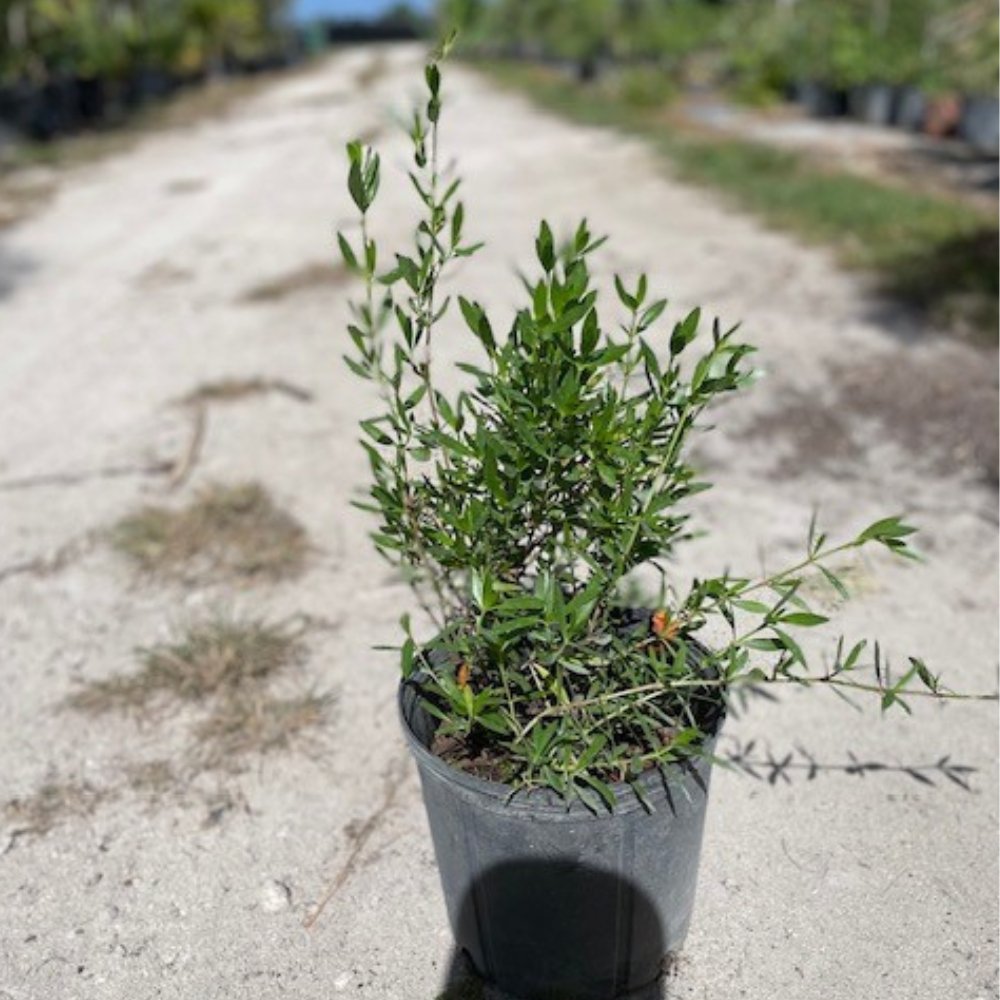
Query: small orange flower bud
663	625
463	675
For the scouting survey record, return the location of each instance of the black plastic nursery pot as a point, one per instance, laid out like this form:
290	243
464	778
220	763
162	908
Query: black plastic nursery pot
820	100
872	103
910	108
548	899
980	124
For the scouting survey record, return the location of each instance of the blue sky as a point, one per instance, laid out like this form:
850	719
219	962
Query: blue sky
306	10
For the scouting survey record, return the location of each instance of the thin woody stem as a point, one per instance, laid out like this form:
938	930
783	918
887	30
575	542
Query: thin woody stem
659	687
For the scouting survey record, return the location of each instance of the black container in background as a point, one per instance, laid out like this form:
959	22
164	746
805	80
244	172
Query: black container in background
909	108
821	100
872	103
980	124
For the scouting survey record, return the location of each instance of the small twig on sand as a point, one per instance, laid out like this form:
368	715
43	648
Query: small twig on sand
45	565
158	468
394	777
183	468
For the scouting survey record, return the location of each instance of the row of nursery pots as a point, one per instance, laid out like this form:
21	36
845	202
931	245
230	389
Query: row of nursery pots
973	118
66	103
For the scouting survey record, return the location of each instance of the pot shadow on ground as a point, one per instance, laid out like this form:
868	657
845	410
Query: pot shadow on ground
555	930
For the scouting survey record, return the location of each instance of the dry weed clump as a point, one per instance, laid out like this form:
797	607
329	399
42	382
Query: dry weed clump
319	275
221	656
225	667
50	805
226	533
154	778
253	723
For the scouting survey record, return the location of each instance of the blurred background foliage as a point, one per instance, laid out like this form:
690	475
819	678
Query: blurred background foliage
68	66
759	47
42	40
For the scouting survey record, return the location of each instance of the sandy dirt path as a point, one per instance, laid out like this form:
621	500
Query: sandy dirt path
199	256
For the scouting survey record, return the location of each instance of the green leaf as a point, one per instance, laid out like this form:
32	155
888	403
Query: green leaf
407	656
627	300
685	331
791	646
433	77
887	529
596	745
835	582
927	678
764	643
602	788
347	253
753	607
545	248
805	619
476	583
651	315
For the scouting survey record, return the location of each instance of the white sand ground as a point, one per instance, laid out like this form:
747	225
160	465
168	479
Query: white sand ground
127	291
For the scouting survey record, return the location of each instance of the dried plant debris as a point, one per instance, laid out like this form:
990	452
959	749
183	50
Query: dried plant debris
258	722
53	803
373	70
153	778
225	669
163	273
227	533
56	562
317	276
220	656
231	390
186	185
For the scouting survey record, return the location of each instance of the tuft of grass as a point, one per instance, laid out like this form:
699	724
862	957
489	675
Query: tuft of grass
255	723
934	253
51	804
227	532
308	278
225	670
220	657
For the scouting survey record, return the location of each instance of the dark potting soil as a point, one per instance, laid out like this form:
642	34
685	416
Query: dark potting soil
465	755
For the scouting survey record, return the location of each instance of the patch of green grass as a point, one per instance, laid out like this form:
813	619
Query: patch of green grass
932	252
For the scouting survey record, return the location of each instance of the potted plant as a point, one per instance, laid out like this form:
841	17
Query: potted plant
563	734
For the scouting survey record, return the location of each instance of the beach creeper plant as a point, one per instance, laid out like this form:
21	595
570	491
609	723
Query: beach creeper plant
521	504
